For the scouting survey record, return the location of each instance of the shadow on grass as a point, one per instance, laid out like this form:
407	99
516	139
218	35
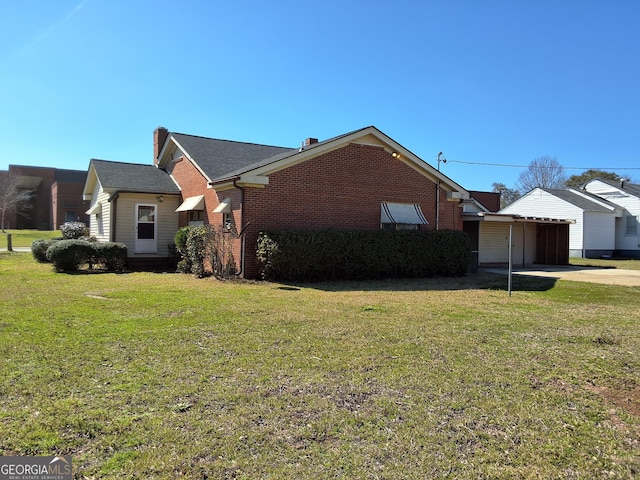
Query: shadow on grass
473	281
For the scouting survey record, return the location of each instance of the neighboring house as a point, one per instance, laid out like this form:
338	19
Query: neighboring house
361	180
627	197
135	205
533	239
55	197
592	231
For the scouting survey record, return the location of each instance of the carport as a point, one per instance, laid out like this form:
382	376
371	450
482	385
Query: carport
534	240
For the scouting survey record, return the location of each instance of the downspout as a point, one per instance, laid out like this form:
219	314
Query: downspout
113	199
242	229
438	205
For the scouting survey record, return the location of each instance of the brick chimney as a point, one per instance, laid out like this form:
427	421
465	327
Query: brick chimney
310	141
160	135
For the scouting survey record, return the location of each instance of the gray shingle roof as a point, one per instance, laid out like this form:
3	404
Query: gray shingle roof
580	201
222	159
219	158
133	177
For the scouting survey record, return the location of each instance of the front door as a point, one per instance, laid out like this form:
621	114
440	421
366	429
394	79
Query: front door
146	228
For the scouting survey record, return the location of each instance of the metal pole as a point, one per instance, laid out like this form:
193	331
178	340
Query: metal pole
510	260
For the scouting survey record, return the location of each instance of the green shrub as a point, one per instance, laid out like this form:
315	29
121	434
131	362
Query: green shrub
180	240
70	255
361	254
39	249
111	256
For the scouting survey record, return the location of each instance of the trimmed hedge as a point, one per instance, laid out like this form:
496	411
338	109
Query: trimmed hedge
70	255
111	256
39	249
361	254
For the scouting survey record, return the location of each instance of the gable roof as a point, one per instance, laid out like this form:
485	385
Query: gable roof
225	161
132	177
631	188
217	158
584	200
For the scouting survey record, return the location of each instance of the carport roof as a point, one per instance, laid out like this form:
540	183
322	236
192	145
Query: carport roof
513	218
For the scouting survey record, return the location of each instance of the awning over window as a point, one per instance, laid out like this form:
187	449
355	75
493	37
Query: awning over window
224	207
95	210
410	213
192	203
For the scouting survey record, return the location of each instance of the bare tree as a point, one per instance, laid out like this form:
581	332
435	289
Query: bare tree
543	172
12	197
507	195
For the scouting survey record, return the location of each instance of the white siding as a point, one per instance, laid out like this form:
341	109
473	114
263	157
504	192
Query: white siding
494	243
599	231
99	225
167	219
539	203
629	202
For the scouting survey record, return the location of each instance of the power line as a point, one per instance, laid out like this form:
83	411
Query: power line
542	166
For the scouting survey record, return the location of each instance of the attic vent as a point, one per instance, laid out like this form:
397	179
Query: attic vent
310	141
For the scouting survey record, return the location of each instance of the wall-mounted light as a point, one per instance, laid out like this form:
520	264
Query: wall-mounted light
161	199
395	155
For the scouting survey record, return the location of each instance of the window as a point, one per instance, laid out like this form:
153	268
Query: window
196	218
632	226
69	216
401	216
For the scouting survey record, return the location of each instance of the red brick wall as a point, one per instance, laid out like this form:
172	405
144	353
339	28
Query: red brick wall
340	189
67	197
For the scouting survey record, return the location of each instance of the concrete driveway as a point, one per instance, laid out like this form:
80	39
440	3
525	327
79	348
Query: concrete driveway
609	276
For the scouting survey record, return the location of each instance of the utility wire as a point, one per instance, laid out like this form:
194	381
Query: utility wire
608	169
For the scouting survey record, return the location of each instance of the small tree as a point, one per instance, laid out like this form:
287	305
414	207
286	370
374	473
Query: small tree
543	172
507	195
12	197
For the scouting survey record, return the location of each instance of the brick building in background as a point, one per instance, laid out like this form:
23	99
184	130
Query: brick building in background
56	197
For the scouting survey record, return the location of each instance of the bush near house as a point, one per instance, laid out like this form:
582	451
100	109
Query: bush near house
206	250
39	249
71	255
361	254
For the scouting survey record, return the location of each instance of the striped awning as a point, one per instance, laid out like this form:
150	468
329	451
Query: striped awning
407	213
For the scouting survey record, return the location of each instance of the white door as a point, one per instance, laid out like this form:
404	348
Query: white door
146	216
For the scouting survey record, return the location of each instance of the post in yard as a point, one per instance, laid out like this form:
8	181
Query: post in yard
510	260
9	243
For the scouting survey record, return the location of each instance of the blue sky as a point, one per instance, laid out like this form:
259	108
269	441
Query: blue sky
486	82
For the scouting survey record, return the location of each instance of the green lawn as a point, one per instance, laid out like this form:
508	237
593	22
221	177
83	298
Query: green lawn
24	238
163	376
629	264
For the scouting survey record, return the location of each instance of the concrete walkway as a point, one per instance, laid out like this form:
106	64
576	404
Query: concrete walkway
608	276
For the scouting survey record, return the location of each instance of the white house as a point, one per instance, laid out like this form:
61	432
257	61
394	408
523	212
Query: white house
627	197
593	219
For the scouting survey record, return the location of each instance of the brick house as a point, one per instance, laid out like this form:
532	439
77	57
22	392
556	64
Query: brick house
56	197
359	180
